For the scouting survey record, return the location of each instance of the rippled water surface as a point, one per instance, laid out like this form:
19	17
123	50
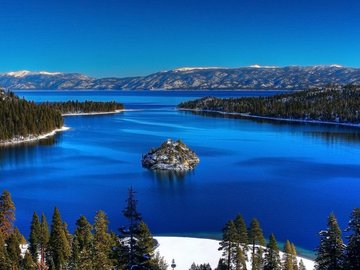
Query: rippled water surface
289	176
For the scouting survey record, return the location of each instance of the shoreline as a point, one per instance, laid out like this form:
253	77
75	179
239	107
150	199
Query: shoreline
276	118
94	113
186	250
33	138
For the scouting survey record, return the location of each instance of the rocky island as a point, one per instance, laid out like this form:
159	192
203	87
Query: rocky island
171	156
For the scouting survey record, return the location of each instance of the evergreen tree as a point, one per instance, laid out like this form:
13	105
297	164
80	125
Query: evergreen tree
330	253
102	246
352	258
145	246
287	257
82	245
242	245
221	265
27	262
294	257
302	265
59	246
44	242
159	262
4	259
34	239
257	241
13	250
127	246
229	245
7	214
272	256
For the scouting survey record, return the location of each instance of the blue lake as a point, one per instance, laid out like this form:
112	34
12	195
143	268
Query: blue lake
289	176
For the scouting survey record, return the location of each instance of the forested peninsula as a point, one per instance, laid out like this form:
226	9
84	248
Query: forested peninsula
86	107
22	120
330	105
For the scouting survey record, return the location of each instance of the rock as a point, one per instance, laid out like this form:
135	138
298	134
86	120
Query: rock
171	156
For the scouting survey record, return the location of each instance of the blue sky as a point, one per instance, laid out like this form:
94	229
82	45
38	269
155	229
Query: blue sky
138	37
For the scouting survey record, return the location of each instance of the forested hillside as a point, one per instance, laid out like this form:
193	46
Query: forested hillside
75	107
21	118
334	105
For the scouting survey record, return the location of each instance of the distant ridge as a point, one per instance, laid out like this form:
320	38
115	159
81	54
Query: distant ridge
191	78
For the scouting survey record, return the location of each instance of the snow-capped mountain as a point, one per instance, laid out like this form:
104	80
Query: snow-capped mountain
195	78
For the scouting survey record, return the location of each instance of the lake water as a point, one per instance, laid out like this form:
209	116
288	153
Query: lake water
289	176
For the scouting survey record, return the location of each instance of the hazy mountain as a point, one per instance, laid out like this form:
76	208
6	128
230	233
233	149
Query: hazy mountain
253	77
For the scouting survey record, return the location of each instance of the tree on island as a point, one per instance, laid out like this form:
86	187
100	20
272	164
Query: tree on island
330	253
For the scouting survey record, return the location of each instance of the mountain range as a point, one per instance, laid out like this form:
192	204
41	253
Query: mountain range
191	78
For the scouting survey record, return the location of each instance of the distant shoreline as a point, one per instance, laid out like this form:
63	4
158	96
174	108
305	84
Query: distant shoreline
94	113
276	118
32	138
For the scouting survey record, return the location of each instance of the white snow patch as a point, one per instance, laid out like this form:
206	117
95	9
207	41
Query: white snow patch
24	73
258	66
195	68
31	138
186	250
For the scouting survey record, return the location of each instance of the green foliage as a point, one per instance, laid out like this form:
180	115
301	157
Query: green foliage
21	118
103	243
317	104
81	245
352	254
27	263
287	257
35	235
330	253
7	214
70	107
59	247
13	249
257	241
204	266
272	256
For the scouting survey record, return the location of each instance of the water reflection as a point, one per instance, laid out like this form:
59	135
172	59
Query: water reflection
27	152
331	134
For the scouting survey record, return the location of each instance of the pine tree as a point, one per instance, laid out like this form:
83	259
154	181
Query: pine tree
302	265
127	245
7	214
4	259
82	245
103	243
159	262
242	245
287	257
145	246
257	240
34	239
272	256
59	246
330	253
27	262
228	245
13	250
294	257
352	257
43	241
